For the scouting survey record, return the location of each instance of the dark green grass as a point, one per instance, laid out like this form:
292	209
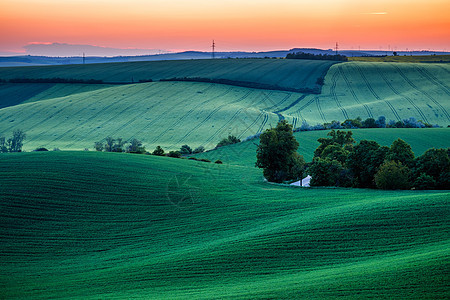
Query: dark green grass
105	225
14	94
420	139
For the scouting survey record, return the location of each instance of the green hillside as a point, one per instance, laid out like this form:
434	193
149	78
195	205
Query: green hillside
16	93
420	140
277	72
106	225
74	116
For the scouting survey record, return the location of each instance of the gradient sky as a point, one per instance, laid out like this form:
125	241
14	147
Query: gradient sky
254	25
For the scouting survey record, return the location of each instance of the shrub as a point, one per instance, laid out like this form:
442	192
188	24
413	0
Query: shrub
231	139
204	160
324	172
392	175
136	147
185	150
98	146
158	151
40	149
218	162
175	154
199	149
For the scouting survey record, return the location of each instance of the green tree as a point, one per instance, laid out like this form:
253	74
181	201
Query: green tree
136	147
341	138
276	154
175	154
424	182
401	151
109	145
185	150
3	148
98	146
434	163
364	161
199	149
16	142
392	175
158	151
325	172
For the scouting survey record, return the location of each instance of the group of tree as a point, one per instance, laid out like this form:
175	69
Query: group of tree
55	80
311	56
367	123
119	145
14	143
230	140
340	161
277	154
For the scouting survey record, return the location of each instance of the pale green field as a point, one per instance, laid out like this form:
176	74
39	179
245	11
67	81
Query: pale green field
171	114
89	225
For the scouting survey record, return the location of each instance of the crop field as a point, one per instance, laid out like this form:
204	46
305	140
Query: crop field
277	72
170	114
108	225
421	140
17	93
405	59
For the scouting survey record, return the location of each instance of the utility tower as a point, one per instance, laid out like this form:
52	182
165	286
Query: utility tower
337	48
84	58
213	46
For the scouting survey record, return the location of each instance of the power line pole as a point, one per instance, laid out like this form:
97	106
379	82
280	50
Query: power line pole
84	58
336	48
213	49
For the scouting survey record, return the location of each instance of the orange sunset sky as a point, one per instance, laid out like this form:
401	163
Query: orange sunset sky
235	24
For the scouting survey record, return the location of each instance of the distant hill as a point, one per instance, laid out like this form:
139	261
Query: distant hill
33	60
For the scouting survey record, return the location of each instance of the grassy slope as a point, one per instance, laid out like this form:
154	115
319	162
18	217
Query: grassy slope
284	73
174	113
16	93
99	225
420	140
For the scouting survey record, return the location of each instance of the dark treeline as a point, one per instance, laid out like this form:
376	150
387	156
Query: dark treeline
303	55
247	84
339	161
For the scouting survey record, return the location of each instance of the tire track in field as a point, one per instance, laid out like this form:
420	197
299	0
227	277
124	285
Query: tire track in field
137	103
211	114
424	118
252	124
277	104
263	123
320	109
178	121
158	117
375	94
261	114
221	129
291	105
420	91
347	82
254	103
431	78
333	94
92	117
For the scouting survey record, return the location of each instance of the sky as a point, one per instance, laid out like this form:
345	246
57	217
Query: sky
252	25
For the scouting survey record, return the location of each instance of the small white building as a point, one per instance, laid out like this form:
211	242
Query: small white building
304	182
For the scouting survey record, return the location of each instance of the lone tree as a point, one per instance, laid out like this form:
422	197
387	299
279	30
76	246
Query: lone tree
13	144
277	154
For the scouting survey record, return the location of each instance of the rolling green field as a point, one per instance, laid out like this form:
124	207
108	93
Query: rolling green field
174	113
279	72
107	225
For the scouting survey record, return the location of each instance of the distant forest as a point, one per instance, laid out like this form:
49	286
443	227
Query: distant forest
303	55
